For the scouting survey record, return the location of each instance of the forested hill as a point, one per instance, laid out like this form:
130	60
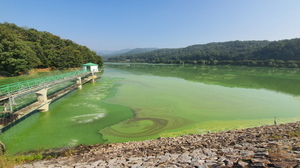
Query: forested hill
22	49
255	53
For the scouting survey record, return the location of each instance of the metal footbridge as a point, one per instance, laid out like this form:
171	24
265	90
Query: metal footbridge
39	86
19	88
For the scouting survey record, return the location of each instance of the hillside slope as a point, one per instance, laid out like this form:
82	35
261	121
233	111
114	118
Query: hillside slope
22	49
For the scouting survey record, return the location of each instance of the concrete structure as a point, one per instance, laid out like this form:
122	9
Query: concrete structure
10	117
90	67
78	81
42	98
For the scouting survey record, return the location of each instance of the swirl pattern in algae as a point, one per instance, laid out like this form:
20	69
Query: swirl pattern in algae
176	100
142	127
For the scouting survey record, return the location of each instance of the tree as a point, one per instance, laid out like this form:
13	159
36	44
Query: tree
22	49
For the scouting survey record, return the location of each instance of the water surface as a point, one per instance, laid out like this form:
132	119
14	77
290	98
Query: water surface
172	100
142	101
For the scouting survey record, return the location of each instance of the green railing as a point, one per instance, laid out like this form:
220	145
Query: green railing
28	84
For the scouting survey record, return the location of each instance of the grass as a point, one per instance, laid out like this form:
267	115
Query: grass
276	137
293	134
8	161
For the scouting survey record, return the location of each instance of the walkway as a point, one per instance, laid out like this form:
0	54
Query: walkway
23	87
40	86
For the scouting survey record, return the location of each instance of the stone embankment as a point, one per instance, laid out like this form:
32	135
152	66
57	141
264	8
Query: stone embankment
265	146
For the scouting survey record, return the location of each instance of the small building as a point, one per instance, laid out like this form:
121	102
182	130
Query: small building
90	67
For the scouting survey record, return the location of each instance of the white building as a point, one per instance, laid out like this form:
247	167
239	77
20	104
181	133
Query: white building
90	67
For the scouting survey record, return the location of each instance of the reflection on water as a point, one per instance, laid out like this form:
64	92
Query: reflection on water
284	80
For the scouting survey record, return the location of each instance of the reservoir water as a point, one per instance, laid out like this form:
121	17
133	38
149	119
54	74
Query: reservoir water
144	101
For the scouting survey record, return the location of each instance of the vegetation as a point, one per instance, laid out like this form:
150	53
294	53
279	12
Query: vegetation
23	49
283	53
13	160
8	160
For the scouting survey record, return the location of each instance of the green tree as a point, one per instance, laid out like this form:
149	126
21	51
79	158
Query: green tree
22	49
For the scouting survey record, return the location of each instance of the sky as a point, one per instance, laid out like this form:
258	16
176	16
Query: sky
128	24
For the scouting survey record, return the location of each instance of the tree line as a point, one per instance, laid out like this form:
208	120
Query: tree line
282	53
23	49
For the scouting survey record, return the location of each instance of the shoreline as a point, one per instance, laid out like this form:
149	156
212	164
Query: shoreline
33	71
264	146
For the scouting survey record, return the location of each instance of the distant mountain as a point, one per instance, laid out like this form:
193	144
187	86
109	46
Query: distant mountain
211	51
138	51
103	52
108	54
282	53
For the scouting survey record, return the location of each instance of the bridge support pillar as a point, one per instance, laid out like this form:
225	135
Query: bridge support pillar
78	81
42	98
93	77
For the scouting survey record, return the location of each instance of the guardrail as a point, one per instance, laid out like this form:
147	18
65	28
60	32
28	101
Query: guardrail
27	84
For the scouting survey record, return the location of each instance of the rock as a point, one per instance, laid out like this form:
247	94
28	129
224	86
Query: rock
242	164
148	164
228	163
221	159
272	144
237	146
296	148
198	160
184	158
247	153
298	166
96	163
120	161
163	158
256	147
228	150
174	157
209	153
2	148
285	164
258	164
260	160
202	166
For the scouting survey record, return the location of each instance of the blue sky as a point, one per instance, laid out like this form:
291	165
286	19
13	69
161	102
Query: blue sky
120	24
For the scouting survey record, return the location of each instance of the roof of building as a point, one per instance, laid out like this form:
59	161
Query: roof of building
90	64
